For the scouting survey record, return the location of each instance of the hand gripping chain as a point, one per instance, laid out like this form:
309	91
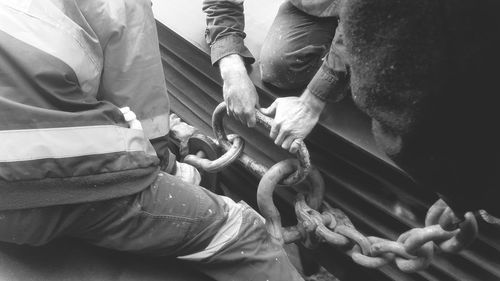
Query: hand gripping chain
233	145
318	222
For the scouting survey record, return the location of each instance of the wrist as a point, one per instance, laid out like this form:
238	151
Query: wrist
312	102
231	64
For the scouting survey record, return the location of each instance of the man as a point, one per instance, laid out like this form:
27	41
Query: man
422	70
291	56
82	98
425	72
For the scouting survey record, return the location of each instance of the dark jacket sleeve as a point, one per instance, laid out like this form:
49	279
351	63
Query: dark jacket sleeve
225	29
331	80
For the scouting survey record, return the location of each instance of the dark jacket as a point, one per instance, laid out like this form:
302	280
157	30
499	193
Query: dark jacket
427	73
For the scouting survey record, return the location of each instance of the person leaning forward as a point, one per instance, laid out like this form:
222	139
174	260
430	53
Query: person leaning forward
82	98
423	71
298	51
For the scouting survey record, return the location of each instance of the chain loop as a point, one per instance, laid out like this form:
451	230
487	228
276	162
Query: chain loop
413	250
424	253
303	154
319	222
269	211
235	150
378	257
265	192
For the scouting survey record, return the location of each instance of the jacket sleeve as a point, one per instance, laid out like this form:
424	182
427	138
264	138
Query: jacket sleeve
331	80
132	73
225	29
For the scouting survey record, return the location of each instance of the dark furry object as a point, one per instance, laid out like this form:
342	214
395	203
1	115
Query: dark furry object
427	72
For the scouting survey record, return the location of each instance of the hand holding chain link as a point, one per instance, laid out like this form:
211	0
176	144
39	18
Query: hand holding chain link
412	251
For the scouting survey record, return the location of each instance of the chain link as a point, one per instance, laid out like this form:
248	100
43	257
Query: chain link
412	251
318	222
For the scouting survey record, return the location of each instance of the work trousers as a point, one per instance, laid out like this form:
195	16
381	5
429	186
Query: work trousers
294	47
171	218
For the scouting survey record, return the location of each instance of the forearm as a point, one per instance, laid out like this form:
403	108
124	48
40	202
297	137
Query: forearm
225	29
331	80
312	103
232	65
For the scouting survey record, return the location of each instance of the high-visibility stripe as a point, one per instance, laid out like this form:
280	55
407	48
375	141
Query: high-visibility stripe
227	233
24	145
42	25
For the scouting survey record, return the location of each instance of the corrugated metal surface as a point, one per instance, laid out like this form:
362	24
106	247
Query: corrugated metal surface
368	188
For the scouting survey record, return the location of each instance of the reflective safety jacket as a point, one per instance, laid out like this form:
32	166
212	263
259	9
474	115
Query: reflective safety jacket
66	69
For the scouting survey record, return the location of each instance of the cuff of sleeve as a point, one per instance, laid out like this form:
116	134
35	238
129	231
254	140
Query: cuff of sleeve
157	126
229	45
328	85
167	158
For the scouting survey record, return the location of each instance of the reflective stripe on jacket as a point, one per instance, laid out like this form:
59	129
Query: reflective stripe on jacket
66	68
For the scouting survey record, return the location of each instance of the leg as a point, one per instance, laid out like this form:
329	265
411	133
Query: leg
171	218
294	47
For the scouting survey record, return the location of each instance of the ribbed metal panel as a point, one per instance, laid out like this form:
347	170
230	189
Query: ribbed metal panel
369	189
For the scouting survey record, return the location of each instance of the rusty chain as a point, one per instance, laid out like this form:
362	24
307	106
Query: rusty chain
412	251
233	145
318	222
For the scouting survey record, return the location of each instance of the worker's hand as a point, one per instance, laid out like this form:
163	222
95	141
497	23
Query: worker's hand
294	118
239	92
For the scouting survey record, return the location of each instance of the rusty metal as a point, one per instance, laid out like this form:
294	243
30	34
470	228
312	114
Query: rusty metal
413	251
265	191
256	168
318	222
464	230
381	253
314	194
202	146
468	231
230	155
423	253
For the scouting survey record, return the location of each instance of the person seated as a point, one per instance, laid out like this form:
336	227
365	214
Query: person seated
83	101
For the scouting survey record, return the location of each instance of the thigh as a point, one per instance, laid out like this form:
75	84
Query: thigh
38	226
293	30
252	255
294	47
169	218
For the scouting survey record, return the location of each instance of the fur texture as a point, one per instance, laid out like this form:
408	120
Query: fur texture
426	71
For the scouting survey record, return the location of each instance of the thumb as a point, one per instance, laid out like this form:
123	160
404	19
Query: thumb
271	110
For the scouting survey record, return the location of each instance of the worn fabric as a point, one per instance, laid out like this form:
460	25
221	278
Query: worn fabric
318	8
225	34
170	218
331	80
225	29
294	47
426	72
68	67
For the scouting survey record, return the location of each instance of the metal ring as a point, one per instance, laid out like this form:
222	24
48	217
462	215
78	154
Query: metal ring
422	248
212	166
265	192
302	154
468	231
